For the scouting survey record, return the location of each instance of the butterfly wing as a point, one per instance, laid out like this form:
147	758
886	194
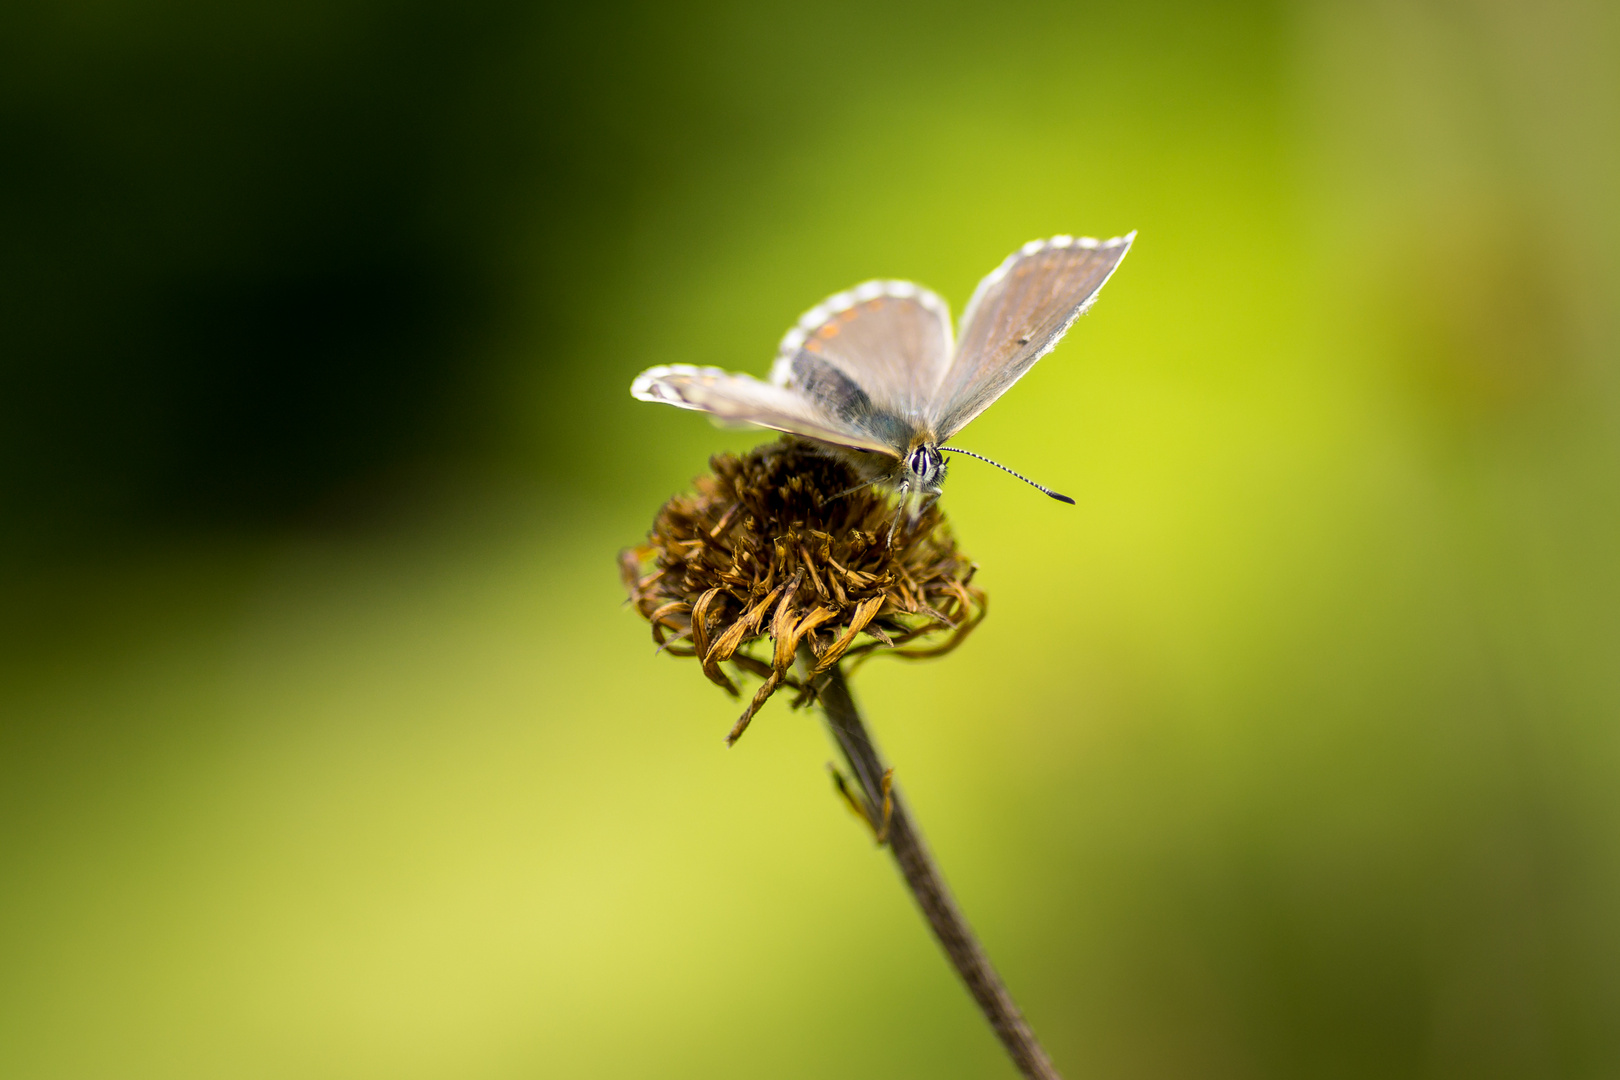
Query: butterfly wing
874	354
1016	316
743	399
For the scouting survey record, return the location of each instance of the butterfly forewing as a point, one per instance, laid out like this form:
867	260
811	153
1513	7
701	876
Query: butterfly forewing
1017	315
873	355
743	399
875	369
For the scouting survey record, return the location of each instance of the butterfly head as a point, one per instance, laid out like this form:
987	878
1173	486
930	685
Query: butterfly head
925	467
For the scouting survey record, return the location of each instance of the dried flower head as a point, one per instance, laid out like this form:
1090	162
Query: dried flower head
776	544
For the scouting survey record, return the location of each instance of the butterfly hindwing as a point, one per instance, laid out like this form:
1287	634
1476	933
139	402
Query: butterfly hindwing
891	340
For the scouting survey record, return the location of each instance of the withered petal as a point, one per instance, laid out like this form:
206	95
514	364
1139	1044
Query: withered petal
822	567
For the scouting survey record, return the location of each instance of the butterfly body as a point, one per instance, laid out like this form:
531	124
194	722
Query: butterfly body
877	369
917	476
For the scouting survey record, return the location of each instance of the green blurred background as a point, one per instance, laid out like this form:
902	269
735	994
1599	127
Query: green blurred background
326	749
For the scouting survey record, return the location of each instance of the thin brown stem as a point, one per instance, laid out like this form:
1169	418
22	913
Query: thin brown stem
924	879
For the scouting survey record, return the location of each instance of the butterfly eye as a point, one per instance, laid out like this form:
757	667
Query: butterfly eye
924	462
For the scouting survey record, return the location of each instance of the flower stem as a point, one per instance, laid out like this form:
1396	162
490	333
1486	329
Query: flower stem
924	879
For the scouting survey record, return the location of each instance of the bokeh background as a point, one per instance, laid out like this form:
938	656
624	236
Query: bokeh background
326	749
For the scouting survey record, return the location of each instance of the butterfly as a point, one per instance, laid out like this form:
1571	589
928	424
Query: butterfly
876	369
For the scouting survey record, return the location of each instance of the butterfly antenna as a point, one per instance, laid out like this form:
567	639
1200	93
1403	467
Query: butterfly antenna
1003	468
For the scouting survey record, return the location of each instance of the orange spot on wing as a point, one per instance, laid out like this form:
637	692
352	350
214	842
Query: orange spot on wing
830	330
812	345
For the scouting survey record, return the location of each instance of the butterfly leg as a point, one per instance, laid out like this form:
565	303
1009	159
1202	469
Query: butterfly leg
858	487
899	509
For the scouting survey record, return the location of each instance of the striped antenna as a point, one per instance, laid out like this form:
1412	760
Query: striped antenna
1003	468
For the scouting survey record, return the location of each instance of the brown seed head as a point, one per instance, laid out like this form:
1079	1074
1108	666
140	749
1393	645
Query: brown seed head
766	548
